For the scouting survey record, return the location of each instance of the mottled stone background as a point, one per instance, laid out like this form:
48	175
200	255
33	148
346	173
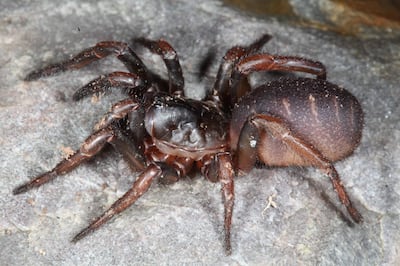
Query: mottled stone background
182	223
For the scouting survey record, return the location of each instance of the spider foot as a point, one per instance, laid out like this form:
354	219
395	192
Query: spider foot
44	72
228	247
35	182
355	215
94	225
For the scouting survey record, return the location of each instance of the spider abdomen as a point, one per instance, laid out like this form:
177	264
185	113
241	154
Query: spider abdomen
321	113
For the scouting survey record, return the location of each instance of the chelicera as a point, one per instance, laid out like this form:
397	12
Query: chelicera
164	135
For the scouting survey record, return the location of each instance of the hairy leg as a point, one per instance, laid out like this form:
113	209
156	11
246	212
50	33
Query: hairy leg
141	185
267	62
130	83
118	111
90	147
226	175
101	50
222	90
171	60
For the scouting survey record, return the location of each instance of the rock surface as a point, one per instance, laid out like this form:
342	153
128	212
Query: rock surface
182	223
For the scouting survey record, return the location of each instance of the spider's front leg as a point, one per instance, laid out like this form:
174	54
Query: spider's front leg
101	50
171	61
134	83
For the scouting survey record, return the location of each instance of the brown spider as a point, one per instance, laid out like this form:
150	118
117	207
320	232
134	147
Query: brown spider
162	134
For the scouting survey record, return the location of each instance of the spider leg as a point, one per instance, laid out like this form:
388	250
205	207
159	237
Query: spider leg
101	50
140	186
258	44
222	86
118	111
129	82
245	152
265	62
296	148
171	61
90	147
230	59
226	175
126	142
221	91
127	146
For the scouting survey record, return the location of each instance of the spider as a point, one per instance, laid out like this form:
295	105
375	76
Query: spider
164	135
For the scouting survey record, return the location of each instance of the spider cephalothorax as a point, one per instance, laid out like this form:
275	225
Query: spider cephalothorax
165	135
